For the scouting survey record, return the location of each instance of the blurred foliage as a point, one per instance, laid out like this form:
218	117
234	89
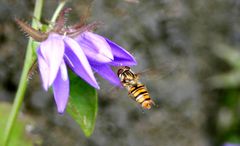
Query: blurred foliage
231	56
228	85
21	135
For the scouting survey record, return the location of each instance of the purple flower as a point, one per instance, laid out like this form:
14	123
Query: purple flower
58	50
78	48
53	55
101	53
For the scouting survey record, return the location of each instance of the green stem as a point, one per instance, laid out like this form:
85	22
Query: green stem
29	60
57	11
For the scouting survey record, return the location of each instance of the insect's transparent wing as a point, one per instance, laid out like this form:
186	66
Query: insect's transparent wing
164	70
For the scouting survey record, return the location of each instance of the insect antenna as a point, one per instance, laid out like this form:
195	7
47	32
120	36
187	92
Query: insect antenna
36	35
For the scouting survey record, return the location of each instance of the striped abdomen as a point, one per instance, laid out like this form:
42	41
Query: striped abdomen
141	95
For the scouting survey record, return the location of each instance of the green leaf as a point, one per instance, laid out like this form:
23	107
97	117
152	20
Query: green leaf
82	104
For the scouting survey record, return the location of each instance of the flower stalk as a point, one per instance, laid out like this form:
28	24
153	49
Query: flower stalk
29	60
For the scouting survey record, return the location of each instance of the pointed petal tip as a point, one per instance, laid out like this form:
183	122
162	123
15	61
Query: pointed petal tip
96	86
61	89
45	87
61	111
134	62
121	55
61	108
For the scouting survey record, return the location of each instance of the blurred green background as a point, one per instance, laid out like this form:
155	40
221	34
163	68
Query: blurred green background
191	49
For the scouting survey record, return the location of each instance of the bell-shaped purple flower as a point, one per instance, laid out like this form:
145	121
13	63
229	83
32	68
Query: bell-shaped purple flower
53	55
78	48
103	53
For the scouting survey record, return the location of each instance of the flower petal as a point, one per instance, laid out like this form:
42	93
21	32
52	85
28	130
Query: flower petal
61	88
77	60
121	56
44	69
52	51
95	47
106	72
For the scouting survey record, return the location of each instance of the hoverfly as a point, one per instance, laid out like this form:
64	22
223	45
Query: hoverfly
136	90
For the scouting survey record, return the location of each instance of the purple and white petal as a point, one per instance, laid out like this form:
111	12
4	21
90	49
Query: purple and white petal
44	70
77	60
52	51
95	47
61	88
121	56
106	72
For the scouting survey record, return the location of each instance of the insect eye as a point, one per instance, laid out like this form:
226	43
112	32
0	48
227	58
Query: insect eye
120	71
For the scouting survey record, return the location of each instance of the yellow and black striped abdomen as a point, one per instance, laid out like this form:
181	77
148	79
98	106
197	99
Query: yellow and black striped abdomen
141	95
137	90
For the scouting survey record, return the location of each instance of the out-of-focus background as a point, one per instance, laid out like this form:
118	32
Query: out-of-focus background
190	49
